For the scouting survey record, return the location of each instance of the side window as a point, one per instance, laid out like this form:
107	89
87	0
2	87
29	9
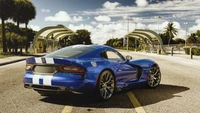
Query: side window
113	56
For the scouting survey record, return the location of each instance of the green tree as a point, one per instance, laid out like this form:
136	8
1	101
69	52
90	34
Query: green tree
11	27
15	37
0	37
17	14
6	10
192	38
179	41
29	14
115	42
164	38
21	42
170	31
83	36
198	36
24	12
29	34
13	41
9	40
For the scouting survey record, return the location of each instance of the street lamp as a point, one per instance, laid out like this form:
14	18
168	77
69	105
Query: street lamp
157	17
186	23
128	19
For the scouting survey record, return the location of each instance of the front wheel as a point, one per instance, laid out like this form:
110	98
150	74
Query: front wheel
154	77
106	85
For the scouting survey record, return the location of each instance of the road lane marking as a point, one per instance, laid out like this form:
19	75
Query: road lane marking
67	109
136	104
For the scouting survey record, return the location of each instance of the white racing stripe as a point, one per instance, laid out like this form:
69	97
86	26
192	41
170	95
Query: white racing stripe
49	60
47	80
36	79
38	60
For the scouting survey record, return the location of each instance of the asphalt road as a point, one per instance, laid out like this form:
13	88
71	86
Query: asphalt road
179	92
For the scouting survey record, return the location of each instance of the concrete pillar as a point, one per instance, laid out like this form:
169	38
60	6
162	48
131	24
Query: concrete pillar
191	56
172	51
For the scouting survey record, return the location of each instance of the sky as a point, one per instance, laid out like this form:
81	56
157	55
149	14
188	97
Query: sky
107	19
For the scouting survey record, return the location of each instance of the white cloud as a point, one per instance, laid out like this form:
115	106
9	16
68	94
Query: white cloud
93	23
181	34
77	19
170	10
177	25
194	28
46	10
110	5
160	26
81	26
103	18
35	27
198	21
102	32
61	16
141	3
88	18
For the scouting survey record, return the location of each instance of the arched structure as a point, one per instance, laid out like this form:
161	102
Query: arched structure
50	36
149	37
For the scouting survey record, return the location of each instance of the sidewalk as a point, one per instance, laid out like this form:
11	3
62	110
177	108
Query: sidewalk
13	59
177	57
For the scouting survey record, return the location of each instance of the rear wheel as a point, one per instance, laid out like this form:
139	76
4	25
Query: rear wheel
106	85
154	77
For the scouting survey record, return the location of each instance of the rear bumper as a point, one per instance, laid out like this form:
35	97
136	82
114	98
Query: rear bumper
55	89
59	83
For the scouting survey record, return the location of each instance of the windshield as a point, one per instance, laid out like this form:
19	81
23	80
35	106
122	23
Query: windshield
70	52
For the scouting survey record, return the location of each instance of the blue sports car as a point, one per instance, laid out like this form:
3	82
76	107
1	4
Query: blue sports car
88	69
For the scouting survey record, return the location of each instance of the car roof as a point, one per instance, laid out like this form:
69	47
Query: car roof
95	53
95	46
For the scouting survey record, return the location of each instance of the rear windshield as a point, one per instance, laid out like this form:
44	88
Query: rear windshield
70	52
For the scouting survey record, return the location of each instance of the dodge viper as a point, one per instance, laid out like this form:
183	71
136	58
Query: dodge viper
87	69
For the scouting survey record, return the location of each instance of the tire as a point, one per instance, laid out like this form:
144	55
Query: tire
106	85
154	77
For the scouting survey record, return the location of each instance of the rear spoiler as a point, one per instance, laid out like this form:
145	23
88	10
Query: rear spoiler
45	60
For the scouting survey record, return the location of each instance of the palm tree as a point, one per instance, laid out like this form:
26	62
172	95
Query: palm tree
170	31
6	9
24	12
29	13
17	14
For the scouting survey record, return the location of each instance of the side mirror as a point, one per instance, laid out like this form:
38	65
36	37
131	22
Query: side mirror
128	57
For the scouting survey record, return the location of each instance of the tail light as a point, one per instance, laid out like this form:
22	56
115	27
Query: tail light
28	67
72	69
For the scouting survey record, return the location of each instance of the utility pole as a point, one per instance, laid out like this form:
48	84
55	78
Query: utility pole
186	23
158	17
135	38
128	19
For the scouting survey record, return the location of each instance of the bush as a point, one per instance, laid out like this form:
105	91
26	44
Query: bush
5	53
195	51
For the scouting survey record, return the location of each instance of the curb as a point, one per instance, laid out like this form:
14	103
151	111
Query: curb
18	60
10	62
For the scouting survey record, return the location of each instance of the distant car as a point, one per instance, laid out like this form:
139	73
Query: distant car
88	69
